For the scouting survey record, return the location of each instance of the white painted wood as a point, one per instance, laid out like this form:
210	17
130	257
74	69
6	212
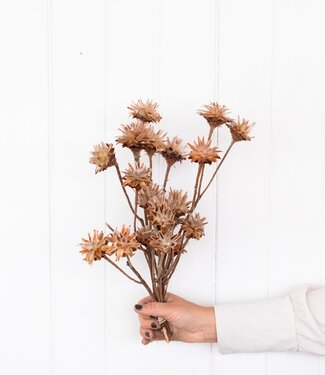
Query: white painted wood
297	155
131	73
24	265
322	246
68	71
187	81
77	199
243	182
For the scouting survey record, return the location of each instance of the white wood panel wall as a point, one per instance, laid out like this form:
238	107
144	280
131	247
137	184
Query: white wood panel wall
68	70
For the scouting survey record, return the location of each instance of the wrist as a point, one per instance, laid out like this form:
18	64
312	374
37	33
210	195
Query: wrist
209	329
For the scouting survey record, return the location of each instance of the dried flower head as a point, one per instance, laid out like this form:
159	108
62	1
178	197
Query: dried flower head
193	226
157	142
166	242
177	201
240	129
150	194
162	216
202	153
103	156
145	234
137	176
140	136
215	114
94	246
146	112
123	243
173	151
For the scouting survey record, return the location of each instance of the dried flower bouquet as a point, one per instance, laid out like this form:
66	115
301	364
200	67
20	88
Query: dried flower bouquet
163	221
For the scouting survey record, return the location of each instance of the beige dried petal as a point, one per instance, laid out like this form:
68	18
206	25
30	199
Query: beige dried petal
123	243
165	242
240	130
177	201
145	111
136	134
103	156
145	234
215	114
94	247
162	216
202	153
150	194
137	176
141	136
173	151
193	226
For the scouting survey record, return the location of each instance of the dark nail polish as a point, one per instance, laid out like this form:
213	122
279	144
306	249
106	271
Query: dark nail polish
138	307
153	317
154	325
147	334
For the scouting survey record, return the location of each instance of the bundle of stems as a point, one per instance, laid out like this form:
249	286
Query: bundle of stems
163	221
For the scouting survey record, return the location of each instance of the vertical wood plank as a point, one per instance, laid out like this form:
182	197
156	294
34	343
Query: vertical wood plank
242	227
321	364
187	81
77	194
321	369
24	266
322	250
297	159
131	74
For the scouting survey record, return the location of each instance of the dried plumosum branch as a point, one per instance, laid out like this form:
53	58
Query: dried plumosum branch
126	194
164	220
143	282
120	269
199	196
166	176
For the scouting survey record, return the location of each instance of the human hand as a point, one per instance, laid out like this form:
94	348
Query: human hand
189	322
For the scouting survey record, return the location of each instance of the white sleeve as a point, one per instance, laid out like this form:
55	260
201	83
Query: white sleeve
295	322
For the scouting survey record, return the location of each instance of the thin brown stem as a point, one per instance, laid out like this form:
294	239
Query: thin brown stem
165	265
151	261
161	266
166	176
178	256
136	154
198	174
143	282
135	210
146	254
170	265
159	280
211	132
154	262
109	227
214	174
172	270
145	216
120	269
200	182
150	164
169	260
126	194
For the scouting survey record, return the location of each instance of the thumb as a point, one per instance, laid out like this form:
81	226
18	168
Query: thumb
161	309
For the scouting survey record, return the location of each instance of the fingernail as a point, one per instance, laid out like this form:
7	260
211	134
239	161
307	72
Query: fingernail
153	317
154	325
138	307
147	334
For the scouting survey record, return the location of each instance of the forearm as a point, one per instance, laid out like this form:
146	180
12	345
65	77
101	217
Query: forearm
295	322
209	326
